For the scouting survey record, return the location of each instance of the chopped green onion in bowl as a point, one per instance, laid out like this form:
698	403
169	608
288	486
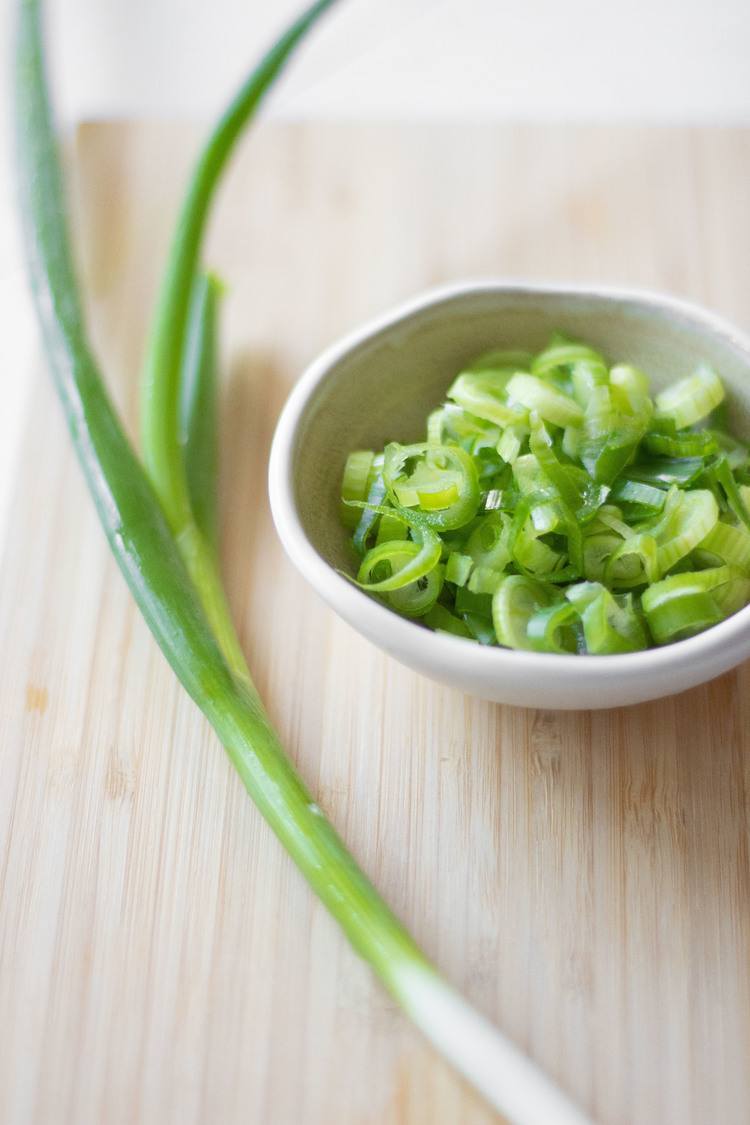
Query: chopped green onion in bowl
558	506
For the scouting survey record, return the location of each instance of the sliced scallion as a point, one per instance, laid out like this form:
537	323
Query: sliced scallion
550	404
691	399
404	560
562	492
354	484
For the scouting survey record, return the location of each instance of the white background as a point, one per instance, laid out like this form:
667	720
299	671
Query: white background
569	60
667	59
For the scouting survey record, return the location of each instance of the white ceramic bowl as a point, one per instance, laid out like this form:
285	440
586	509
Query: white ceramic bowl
380	382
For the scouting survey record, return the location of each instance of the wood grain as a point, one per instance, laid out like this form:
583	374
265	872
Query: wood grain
584	878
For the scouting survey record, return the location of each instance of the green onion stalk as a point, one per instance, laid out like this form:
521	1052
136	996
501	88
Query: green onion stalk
160	524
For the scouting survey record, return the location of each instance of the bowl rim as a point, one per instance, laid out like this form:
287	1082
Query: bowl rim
732	636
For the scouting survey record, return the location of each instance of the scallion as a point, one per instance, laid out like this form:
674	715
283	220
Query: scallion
565	492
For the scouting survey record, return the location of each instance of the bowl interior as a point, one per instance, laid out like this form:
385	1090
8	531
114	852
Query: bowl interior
383	387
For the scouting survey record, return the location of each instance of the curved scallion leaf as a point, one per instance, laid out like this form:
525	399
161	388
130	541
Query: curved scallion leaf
635	562
517	600
390	527
687	603
483	395
488	543
630	381
458	567
663	472
610	624
728	543
417	474
643	499
405	560
699	443
688	518
165	354
691	399
550	404
551	629
418	597
721	474
354	485
443	621
371	511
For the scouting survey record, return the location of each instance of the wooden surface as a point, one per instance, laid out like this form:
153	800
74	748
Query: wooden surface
584	878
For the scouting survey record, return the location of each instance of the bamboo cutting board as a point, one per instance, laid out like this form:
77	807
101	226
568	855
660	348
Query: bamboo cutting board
584	878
